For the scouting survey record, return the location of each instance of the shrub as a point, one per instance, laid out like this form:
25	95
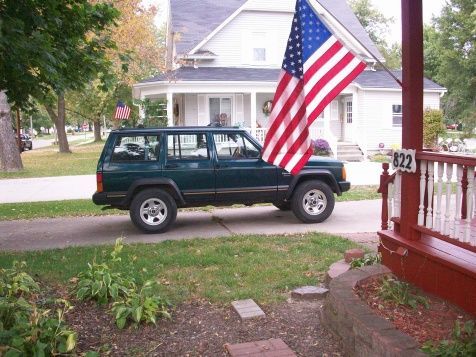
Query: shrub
432	127
321	147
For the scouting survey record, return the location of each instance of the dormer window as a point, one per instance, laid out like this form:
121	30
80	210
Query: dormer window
259	47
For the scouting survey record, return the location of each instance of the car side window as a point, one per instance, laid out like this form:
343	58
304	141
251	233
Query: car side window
136	148
234	146
187	147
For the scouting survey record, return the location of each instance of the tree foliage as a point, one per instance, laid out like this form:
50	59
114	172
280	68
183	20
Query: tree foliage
432	127
450	59
377	26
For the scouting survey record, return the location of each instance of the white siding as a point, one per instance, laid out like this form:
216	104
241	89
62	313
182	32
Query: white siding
375	113
233	44
191	109
281	5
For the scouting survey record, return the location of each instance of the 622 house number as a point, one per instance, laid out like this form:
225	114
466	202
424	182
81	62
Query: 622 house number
404	160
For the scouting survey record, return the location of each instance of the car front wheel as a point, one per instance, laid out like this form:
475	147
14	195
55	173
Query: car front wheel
313	201
153	211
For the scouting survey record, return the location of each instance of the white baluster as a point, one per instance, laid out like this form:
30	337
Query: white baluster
391	202
469	203
449	174
438	225
421	207
398	192
457	221
429	210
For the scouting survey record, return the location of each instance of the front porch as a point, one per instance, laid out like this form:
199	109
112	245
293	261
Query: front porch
439	252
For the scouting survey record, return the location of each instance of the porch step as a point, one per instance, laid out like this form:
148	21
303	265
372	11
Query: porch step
349	152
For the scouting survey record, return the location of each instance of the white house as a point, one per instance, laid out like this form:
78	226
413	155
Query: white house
224	59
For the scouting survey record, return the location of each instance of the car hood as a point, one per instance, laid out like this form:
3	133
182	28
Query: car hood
316	161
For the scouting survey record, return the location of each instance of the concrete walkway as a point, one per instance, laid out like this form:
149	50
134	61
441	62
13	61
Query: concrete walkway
83	187
357	220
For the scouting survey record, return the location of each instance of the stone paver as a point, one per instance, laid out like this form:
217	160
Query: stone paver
274	347
352	254
310	293
338	268
247	309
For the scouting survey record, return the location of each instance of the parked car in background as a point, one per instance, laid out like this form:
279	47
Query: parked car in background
453	126
26	142
151	172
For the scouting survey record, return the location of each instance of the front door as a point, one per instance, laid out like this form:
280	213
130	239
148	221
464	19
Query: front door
241	174
187	153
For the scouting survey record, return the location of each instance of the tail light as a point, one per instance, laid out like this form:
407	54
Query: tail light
344	174
99	182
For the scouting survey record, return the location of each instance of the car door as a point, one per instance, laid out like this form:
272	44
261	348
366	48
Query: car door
188	163
241	174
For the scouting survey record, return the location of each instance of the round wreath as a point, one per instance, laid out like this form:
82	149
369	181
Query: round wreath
267	107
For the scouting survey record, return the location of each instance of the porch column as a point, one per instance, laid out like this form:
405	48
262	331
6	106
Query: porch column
412	101
253	113
170	110
141	110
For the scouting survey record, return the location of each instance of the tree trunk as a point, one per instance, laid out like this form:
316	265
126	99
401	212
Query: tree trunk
97	129
60	121
10	159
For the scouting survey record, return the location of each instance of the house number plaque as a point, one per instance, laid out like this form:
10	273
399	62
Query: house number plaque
404	160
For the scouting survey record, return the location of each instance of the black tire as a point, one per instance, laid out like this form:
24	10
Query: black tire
283	205
313	201
153	211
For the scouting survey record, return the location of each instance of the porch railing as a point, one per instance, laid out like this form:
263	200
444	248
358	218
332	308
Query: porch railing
447	197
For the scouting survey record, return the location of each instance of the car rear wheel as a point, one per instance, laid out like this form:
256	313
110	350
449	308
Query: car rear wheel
153	211
313	201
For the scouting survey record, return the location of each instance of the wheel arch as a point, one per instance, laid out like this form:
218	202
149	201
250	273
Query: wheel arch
319	174
163	183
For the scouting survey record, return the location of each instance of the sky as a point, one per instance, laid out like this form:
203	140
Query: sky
390	8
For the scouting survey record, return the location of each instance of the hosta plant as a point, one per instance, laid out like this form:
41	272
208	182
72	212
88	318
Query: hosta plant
461	344
16	282
140	306
100	283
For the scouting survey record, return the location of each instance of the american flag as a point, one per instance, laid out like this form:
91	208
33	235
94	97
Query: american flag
316	68
122	111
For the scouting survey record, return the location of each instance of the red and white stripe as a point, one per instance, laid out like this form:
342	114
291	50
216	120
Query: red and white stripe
298	102
122	112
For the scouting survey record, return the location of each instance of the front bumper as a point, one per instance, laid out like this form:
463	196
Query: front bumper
344	186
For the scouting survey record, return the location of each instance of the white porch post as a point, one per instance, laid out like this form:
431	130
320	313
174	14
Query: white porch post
253	113
170	110
141	110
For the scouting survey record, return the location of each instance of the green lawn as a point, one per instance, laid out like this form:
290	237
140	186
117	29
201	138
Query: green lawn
81	208
48	161
219	270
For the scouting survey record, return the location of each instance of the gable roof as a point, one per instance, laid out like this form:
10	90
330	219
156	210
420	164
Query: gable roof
379	79
195	20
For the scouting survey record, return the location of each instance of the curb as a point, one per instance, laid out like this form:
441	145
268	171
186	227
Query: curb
363	333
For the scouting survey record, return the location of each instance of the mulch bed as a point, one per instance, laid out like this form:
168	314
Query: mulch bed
433	324
201	329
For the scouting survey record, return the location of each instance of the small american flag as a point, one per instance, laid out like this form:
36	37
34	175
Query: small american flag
122	111
316	68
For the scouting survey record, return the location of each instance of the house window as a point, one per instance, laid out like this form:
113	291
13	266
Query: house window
220	110
397	115
348	112
259	46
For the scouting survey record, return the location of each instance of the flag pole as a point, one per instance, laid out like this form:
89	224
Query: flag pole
335	24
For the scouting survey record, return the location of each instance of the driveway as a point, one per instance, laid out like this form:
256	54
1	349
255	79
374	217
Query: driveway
358	220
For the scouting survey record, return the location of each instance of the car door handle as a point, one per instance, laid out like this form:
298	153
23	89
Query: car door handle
171	166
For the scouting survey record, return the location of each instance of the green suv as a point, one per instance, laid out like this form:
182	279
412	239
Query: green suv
151	172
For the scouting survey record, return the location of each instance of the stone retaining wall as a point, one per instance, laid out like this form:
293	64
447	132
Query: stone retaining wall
363	332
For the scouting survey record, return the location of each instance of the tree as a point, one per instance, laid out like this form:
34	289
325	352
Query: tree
140	53
9	154
377	26
48	47
432	126
451	59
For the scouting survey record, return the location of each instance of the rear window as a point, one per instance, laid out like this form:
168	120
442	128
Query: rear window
187	147
136	148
